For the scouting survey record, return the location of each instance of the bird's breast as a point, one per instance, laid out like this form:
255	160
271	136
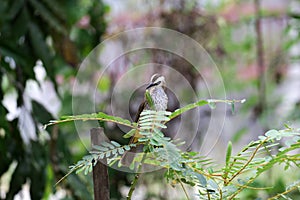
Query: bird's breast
160	99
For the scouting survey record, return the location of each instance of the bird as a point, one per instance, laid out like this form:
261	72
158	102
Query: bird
156	89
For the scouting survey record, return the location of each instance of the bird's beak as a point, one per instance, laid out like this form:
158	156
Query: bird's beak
150	85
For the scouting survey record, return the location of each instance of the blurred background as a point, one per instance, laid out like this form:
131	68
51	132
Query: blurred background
254	44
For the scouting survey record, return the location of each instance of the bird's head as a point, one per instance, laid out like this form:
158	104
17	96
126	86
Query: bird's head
157	80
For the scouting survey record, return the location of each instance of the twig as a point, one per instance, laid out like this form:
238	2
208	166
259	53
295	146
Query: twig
285	192
53	122
188	107
231	165
65	176
226	101
240	171
242	187
136	178
250	159
184	190
132	187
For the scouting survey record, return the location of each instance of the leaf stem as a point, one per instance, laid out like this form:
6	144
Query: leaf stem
136	178
132	187
285	192
86	119
183	188
248	162
66	175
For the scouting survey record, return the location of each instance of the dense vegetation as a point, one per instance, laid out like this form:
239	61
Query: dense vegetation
253	44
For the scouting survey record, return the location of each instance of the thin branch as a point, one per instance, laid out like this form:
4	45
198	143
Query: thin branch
188	107
242	187
232	163
136	178
132	187
184	190
250	159
285	192
53	122
65	176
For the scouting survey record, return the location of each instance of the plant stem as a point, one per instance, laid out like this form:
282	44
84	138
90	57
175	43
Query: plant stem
240	171
184	190
188	107
74	118
136	178
285	192
241	188
132	187
248	162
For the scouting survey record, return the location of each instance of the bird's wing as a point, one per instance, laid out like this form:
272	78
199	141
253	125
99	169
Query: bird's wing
141	108
127	159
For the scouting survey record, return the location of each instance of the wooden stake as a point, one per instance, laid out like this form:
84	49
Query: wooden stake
100	172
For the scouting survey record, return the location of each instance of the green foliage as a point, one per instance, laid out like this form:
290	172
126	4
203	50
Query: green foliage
94	116
34	31
109	150
149	99
188	168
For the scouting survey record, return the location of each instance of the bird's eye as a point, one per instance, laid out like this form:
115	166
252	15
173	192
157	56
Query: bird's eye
157	83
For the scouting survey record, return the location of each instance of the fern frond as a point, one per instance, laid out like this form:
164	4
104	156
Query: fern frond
264	163
110	150
92	117
209	102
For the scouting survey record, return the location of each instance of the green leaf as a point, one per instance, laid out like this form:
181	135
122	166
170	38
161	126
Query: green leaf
106	144
107	154
213	184
229	189
115	143
149	100
232	108
79	170
145	132
202	179
154	142
228	153
150	118
187	108
94	116
131	166
114	151
261	137
127	148
86	170
273	134
119	163
90	168
121	151
130	133
101	156
143	139
100	148
212	104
